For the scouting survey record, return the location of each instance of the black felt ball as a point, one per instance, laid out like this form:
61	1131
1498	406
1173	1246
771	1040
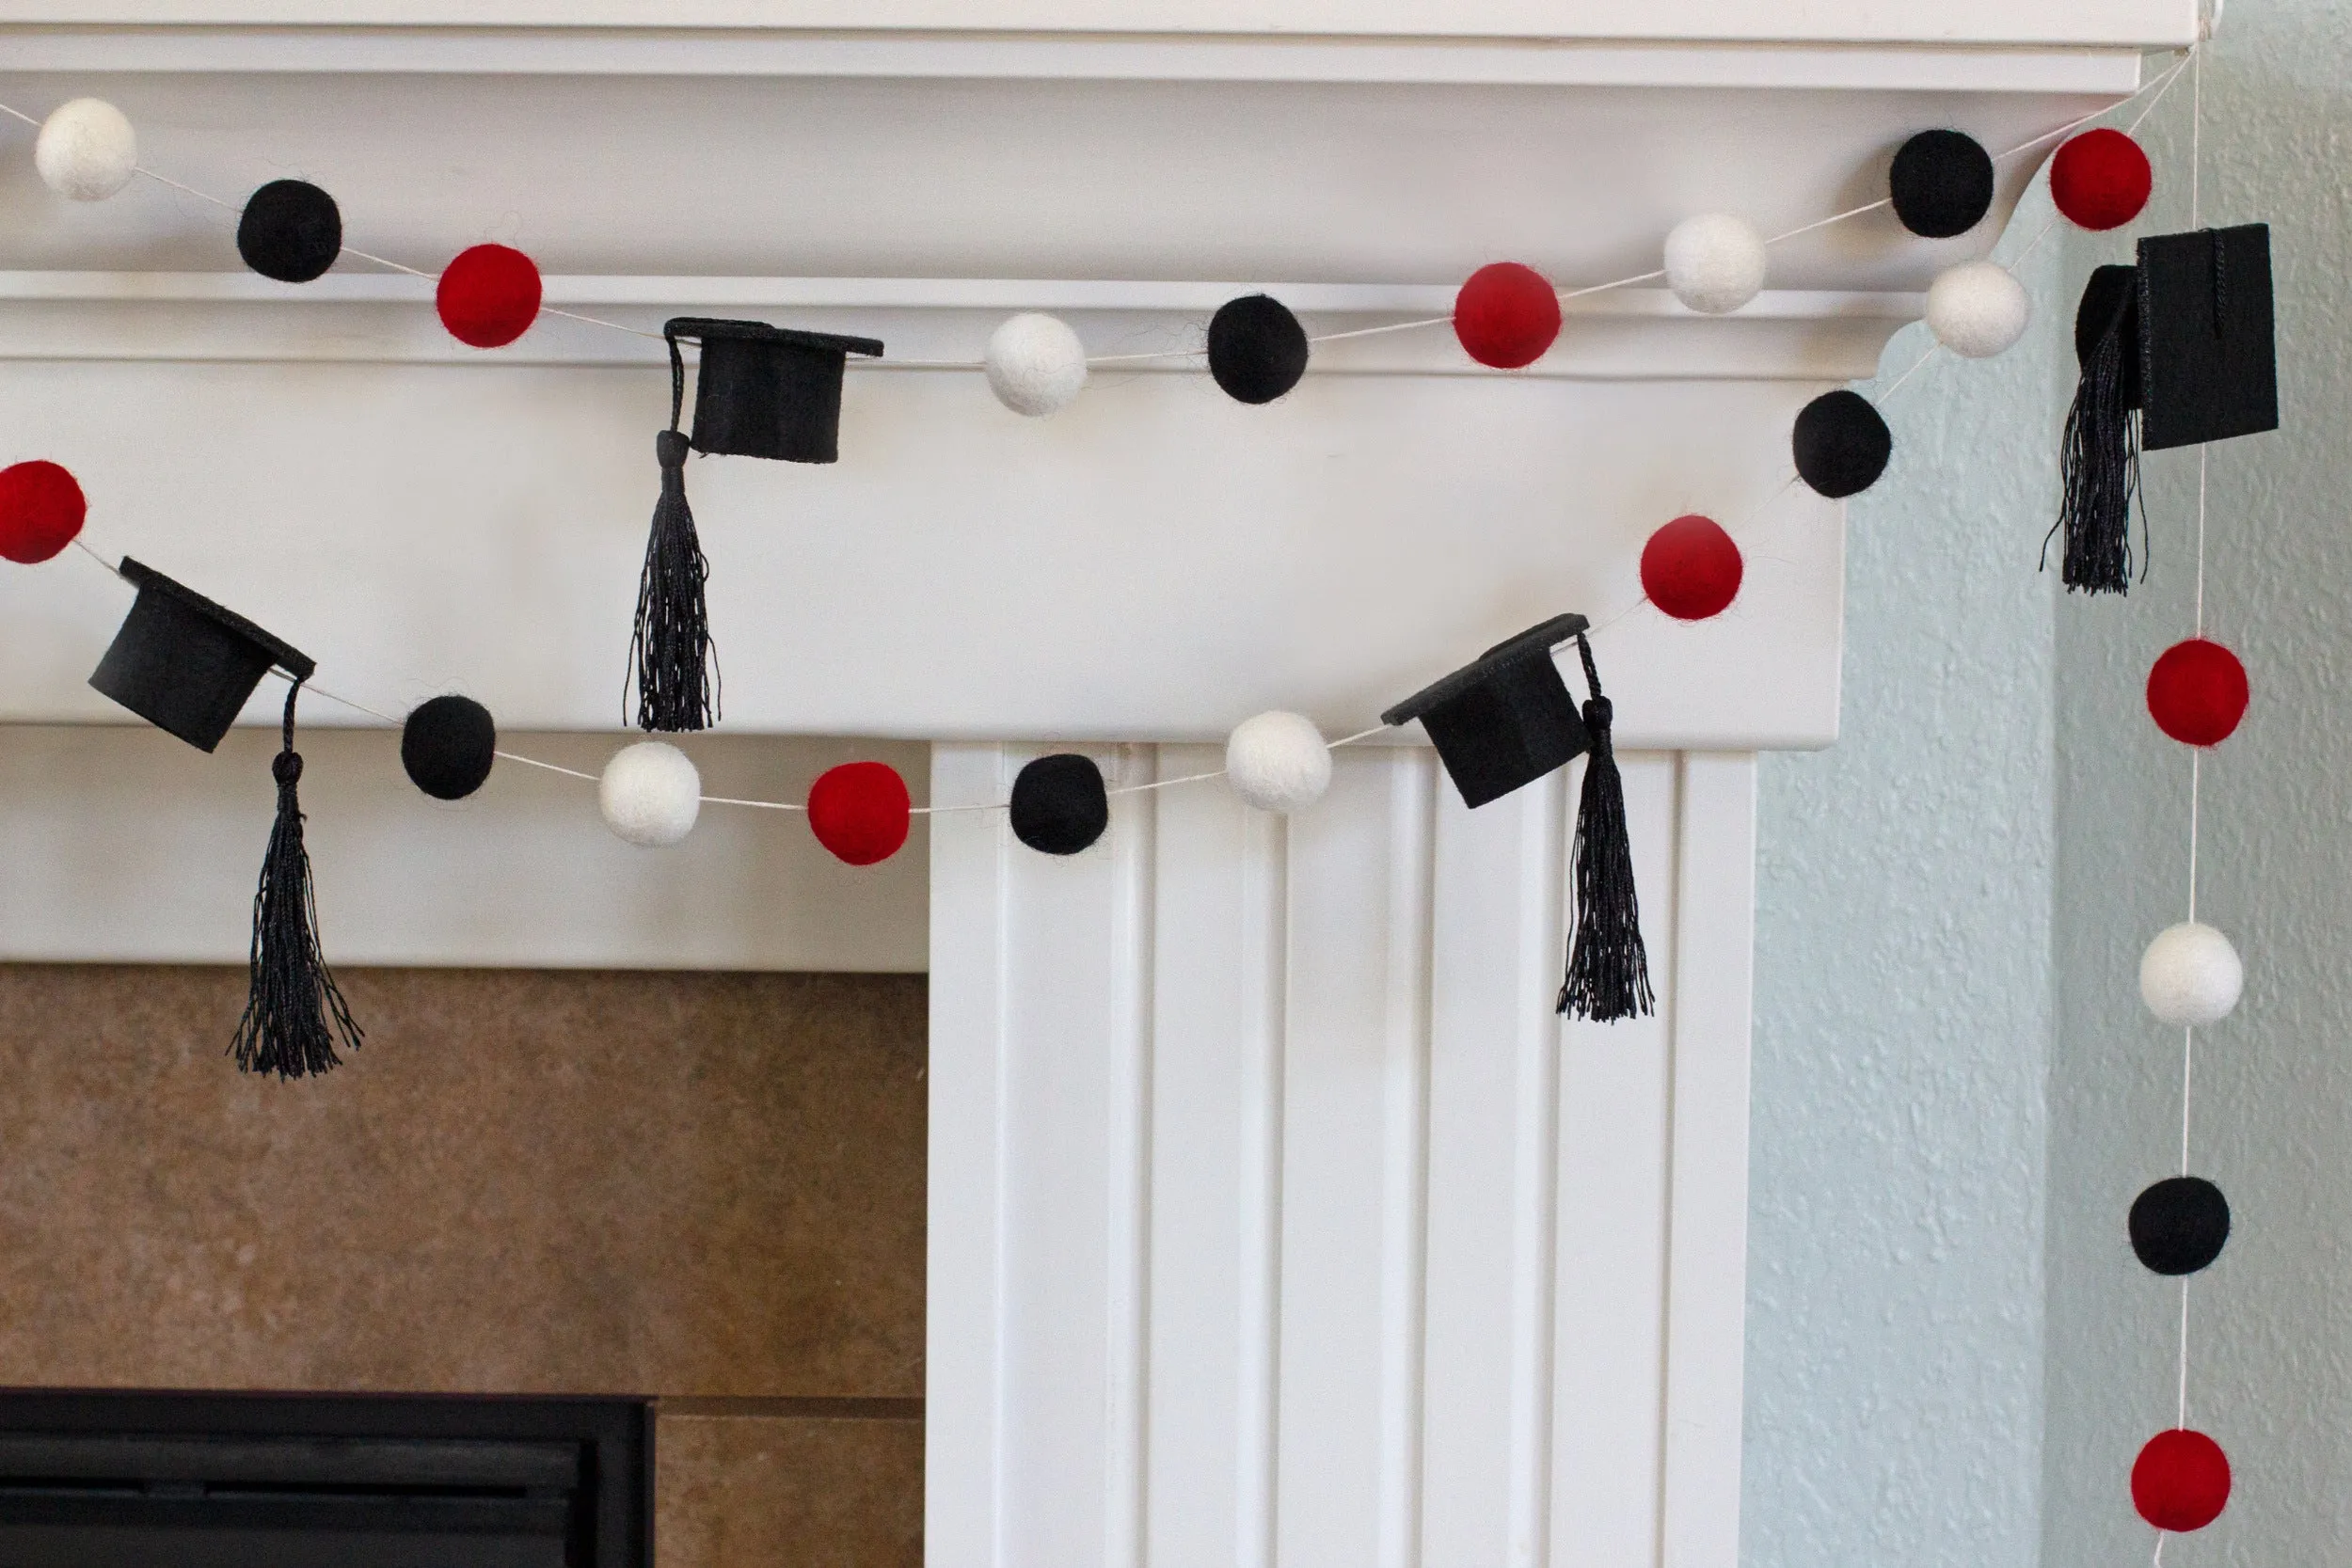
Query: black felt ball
1942	183
1059	805
2179	1225
448	746
1257	349
1840	444
290	230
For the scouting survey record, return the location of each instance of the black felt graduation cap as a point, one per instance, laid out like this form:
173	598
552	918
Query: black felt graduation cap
2209	365
761	391
1505	721
186	665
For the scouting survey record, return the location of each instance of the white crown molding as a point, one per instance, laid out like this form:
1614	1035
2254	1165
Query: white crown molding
671	51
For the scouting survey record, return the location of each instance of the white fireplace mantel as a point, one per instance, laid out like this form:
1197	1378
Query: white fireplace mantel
1275	1219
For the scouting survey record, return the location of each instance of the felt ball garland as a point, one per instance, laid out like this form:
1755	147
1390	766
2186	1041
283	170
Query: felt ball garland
1941	184
1059	805
1978	309
2190	977
87	150
1257	349
2180	1481
2197	692
1506	315
489	296
1840	444
859	810
42	509
1035	365
1277	762
2180	1224
1691	569
290	230
650	793
448	746
1714	263
2101	180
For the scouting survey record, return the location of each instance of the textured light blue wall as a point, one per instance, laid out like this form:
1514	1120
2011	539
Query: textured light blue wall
2271	1323
1952	1354
1904	1001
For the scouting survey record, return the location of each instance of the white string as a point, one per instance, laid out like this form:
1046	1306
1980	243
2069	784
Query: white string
1917	365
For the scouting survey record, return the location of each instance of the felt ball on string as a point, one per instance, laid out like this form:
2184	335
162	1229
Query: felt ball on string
1277	762
290	230
1714	263
1059	806
87	150
1506	315
2197	692
42	509
1978	309
2180	1481
489	296
448	746
2190	975
1035	364
2179	1225
2101	178
859	810
1690	568
1257	349
1941	184
650	793
1839	444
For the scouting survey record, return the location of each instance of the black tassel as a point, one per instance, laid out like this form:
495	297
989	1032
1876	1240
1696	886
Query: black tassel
2099	462
1608	967
294	1014
671	655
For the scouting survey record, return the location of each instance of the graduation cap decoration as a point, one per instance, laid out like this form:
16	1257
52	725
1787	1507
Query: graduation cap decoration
186	665
1505	721
2208	358
2099	454
760	391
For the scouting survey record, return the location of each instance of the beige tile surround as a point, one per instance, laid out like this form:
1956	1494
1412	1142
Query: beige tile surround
706	1188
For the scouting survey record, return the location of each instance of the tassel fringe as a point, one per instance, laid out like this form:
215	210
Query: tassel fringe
675	668
293	1013
1608	975
2100	463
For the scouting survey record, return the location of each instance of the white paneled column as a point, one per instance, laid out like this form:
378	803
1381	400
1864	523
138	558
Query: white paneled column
1276	1219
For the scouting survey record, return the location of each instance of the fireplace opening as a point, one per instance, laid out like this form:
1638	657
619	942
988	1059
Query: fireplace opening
105	1479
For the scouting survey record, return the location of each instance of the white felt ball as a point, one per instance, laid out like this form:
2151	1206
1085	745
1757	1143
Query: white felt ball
2190	975
85	150
1714	263
650	793
1977	309
1278	761
1035	364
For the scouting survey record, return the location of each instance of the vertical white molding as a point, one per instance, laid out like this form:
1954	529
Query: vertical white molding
964	1283
1707	1301
1276	1219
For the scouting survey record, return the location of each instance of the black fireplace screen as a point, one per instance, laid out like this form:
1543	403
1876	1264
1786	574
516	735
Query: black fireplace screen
267	1480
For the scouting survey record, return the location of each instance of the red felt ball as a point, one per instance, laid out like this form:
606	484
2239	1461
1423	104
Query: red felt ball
489	296
1506	315
40	511
859	810
2101	178
2197	692
2180	1481
1690	568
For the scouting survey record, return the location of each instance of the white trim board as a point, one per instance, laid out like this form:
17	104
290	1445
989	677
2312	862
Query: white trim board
1275	1217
